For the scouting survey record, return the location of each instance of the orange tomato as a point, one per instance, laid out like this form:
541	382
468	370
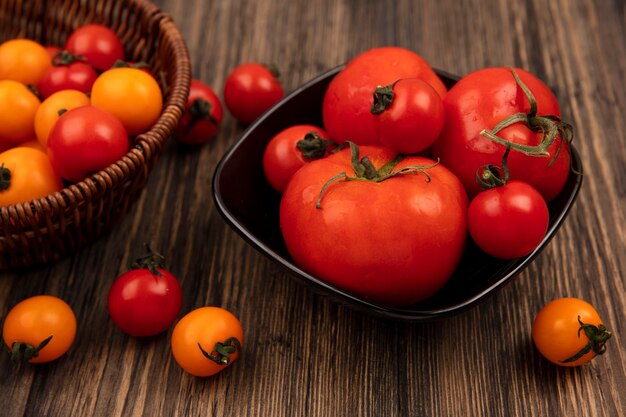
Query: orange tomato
23	60
34	321
48	112
131	95
26	174
207	340
569	332
18	106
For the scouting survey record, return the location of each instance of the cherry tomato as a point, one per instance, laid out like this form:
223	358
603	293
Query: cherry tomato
48	112
67	73
479	102
85	140
98	44
207	340
18	106
39	329
202	117
569	332
348	100
290	150
131	95
250	90
146	300
23	60
26	174
409	115
508	221
391	231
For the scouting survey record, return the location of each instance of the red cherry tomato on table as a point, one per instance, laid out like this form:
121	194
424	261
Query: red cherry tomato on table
290	150
145	301
250	90
85	140
202	117
508	221
39	329
348	100
207	340
394	241
483	99
98	44
67	73
569	332
409	115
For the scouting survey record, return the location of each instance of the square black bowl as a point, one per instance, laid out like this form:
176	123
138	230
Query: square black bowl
250	205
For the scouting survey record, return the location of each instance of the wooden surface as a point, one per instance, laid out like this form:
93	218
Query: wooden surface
305	356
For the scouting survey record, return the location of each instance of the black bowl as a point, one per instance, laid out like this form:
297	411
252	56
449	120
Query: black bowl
249	204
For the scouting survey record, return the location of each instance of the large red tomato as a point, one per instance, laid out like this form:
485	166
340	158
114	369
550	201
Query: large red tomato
394	241
480	101
349	97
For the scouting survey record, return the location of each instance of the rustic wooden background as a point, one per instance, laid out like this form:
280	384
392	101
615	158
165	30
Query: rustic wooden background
306	356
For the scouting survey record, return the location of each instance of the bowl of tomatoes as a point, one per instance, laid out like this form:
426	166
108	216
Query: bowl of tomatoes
262	210
100	86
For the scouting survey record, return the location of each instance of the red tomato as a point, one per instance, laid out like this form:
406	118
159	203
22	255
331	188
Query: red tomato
480	101
348	99
290	150
394	241
202	116
85	140
52	51
146	300
67	73
409	115
508	221
98	44
250	90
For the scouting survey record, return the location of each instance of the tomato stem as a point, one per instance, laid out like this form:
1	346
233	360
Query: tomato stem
152	261
383	98
365	170
200	109
489	175
63	58
313	146
273	69
222	352
598	336
23	352
551	127
5	177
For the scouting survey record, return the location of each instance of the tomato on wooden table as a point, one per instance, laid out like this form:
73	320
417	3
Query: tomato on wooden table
68	72
569	332
386	228
490	108
346	108
86	140
292	148
97	43
146	300
26	174
207	340
251	89
39	329
202	117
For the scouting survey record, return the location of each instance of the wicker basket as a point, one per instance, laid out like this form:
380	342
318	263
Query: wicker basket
46	229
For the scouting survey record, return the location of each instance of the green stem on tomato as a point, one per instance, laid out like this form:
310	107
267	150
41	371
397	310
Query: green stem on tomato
152	261
23	352
313	146
222	351
5	177
598	336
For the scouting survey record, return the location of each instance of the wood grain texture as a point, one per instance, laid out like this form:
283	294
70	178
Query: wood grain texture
304	355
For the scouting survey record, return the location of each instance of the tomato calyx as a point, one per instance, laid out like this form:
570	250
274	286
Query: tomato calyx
23	352
152	261
273	69
222	352
123	64
489	176
200	109
597	335
313	146
64	58
551	127
365	170
383	97
5	177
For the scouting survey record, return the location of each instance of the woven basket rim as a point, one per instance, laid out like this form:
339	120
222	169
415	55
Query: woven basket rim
158	134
